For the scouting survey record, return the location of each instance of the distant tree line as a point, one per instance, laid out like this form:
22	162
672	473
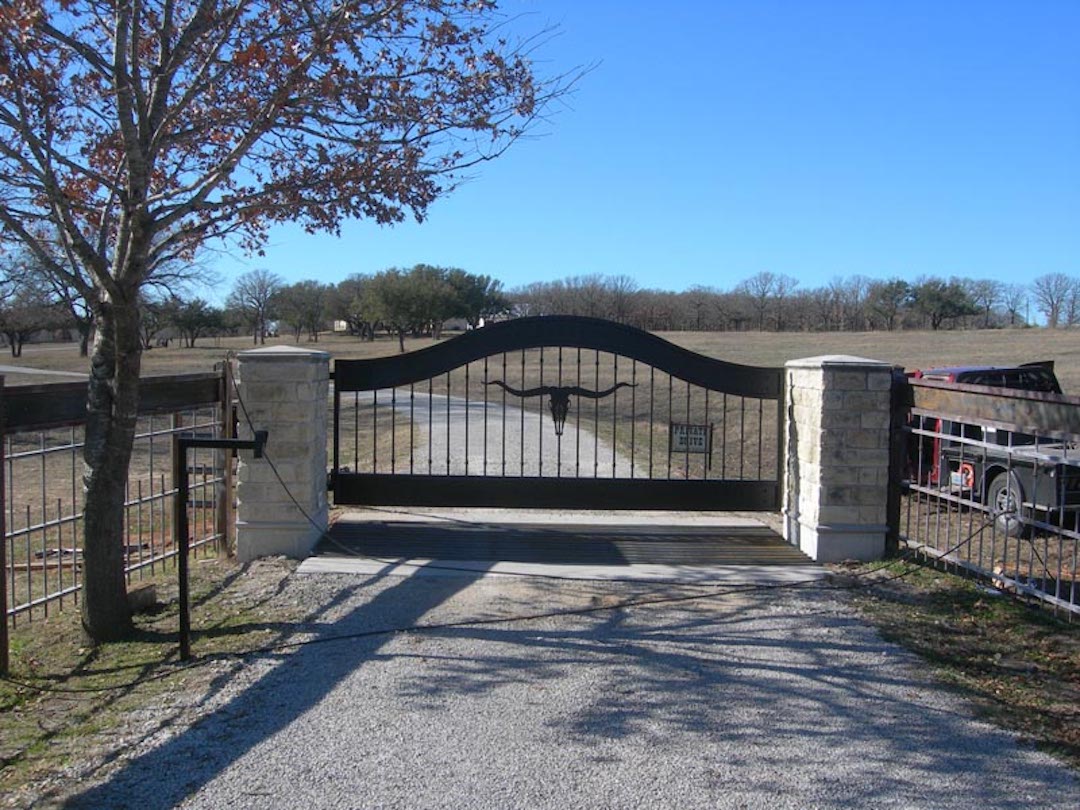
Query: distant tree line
418	301
775	302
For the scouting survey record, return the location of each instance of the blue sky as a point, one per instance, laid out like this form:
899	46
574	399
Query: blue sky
714	140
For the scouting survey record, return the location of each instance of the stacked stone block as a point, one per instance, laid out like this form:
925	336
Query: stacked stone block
285	391
837	450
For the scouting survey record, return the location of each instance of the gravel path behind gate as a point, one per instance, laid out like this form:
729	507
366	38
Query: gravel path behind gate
474	437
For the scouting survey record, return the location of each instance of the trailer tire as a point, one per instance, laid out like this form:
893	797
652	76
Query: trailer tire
1005	498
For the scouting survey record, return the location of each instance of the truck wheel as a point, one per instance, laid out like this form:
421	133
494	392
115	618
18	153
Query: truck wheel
1005	498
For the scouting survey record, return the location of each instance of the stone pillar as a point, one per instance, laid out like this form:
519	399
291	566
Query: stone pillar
285	391
837	450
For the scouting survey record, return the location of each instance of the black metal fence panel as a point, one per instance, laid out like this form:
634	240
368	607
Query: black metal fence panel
42	498
991	485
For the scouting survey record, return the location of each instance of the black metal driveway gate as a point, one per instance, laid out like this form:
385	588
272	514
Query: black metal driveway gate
557	412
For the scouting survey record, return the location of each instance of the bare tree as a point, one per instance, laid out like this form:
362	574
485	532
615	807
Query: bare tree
1014	297
131	134
1051	293
759	288
251	297
622	291
986	293
784	286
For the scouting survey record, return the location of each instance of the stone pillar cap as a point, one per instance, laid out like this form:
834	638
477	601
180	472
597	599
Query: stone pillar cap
847	360
283	353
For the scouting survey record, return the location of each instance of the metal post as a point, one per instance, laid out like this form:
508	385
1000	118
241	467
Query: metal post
180	537
898	448
180	446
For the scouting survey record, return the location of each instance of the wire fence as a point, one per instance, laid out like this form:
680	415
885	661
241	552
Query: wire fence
991	486
42	497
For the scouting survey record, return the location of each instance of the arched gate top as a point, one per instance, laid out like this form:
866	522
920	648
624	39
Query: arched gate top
567	331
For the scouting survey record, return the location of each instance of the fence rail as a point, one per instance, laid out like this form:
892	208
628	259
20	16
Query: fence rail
990	484
41	498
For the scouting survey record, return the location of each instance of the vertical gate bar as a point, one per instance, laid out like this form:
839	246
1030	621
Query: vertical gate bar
577	420
60	549
393	430
558	436
466	452
356	431
504	416
742	438
1061	523
485	387
1075	590
723	437
375	430
45	520
760	434
614	410
596	419
448	423
633	413
540	422
1008	471
686	472
412	426
337	438
9	475
521	407
671	415
958	544
430	422
926	526
45	538
781	471
29	556
153	513
707	464
138	519
652	397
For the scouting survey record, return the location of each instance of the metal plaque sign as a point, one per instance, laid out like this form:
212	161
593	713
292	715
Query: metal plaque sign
691	438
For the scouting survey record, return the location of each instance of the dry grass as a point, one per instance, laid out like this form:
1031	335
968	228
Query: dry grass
909	349
1020	667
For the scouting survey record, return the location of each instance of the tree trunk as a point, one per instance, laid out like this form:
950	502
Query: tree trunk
111	410
84	340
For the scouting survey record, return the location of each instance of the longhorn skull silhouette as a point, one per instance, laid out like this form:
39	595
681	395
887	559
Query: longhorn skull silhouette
559	397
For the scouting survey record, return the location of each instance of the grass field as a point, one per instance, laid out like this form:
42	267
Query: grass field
908	349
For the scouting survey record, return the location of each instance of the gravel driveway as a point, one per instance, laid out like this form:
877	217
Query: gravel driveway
768	698
462	436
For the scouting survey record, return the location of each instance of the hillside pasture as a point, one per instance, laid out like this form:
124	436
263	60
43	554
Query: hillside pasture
911	349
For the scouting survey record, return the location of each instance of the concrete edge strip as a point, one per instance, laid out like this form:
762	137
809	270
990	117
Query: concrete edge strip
728	574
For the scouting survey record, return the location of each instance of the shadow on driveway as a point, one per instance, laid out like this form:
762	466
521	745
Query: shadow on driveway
777	699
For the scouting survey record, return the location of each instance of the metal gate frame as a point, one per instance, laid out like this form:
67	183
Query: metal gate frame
411	489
